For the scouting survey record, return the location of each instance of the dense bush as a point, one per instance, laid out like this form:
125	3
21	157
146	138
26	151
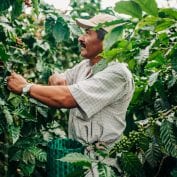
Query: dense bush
147	42
36	45
30	45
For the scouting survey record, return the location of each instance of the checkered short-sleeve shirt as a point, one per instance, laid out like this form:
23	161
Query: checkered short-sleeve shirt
102	101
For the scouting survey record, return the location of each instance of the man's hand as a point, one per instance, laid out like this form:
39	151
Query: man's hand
56	79
16	82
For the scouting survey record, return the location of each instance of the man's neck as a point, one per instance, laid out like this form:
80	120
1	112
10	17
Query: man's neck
95	60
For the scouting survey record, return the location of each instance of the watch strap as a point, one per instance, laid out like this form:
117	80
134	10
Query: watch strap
26	88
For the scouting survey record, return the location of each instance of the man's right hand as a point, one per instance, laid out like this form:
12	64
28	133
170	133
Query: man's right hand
56	79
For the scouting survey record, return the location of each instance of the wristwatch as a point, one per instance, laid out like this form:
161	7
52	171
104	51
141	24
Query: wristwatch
26	89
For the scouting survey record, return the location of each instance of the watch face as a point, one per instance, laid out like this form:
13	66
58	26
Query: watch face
26	88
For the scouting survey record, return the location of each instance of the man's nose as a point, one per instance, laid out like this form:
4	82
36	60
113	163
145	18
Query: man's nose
81	38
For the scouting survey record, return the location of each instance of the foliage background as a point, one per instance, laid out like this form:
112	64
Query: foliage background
45	41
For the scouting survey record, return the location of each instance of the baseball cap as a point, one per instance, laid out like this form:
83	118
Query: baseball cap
96	20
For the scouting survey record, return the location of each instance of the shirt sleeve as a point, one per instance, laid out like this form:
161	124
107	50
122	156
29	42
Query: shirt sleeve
67	75
102	89
70	74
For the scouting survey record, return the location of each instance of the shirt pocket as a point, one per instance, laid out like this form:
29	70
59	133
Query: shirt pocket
89	131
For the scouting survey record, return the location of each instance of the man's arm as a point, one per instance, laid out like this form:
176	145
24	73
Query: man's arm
54	96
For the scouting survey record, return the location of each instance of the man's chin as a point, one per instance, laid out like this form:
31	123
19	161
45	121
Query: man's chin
83	54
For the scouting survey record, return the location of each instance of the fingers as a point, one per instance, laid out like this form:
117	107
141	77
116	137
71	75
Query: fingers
53	79
50	80
13	73
8	80
12	76
15	82
57	79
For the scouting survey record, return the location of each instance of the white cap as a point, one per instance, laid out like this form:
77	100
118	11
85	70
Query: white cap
96	20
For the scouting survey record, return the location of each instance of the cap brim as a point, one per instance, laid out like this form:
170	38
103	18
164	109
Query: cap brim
83	23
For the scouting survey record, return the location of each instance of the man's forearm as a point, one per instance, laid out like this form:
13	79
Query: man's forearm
54	96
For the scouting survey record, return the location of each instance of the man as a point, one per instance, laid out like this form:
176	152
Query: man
98	101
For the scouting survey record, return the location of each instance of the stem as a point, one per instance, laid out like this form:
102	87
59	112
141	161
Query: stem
17	48
6	156
161	163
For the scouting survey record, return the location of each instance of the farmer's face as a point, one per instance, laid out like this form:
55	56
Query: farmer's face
91	46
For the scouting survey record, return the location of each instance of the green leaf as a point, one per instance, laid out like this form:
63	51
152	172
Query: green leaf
160	87
172	79
105	171
49	24
3	53
153	78
143	142
153	64
129	8
111	54
112	24
174	173
112	37
101	65
163	38
42	111
139	93
16	8
28	156
8	116
39	154
36	6
14	133
149	6
172	56
131	64
156	60
32	153
27	169
147	21
75	30
24	114
61	30
2	102
131	164
158	56
14	99
153	154
168	138
168	12
164	24
4	5
77	159
35	102
16	156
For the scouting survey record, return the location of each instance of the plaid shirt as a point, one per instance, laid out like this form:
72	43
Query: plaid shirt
102	101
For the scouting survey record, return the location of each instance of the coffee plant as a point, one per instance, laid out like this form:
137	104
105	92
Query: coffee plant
45	41
147	42
34	44
30	45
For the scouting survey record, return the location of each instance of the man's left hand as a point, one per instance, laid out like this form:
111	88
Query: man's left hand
16	82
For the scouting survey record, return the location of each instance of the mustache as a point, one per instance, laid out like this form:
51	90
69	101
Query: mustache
82	44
